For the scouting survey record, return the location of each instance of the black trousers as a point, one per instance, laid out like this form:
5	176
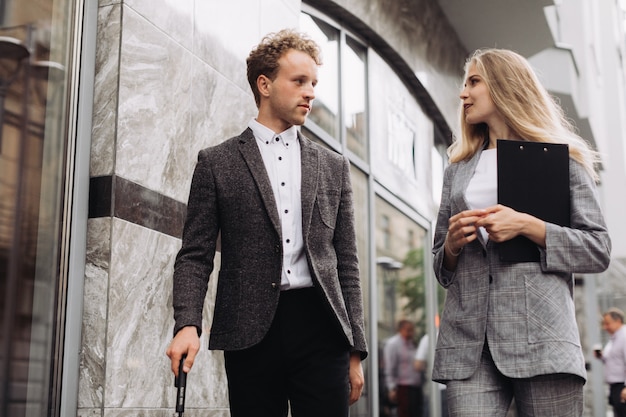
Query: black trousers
303	362
410	401
619	408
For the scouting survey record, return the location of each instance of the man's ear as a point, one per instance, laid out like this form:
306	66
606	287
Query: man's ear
263	84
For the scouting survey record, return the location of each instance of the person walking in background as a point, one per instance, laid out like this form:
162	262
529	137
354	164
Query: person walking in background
403	381
508	330
614	358
288	310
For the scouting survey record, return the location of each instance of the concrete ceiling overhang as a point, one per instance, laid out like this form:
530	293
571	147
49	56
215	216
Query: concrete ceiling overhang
519	25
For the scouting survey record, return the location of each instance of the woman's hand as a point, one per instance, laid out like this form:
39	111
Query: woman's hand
503	223
461	231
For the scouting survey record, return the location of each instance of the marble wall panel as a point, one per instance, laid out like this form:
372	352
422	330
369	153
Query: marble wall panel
102	3
219	110
154	100
225	32
140	326
89	412
173	17
93	346
278	14
105	91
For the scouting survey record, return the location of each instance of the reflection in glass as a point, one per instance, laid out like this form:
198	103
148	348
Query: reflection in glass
401	135
325	111
360	197
33	163
353	65
400	250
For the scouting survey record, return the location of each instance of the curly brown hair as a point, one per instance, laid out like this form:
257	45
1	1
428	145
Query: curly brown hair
263	59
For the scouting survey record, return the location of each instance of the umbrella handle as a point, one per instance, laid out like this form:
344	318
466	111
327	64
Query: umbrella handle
181	384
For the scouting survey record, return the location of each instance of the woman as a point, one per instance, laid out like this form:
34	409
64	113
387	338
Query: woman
508	330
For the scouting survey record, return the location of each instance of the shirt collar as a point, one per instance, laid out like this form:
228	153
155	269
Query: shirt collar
265	135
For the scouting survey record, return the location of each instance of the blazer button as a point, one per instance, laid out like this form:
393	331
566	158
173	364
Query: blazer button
484	253
490	279
274	286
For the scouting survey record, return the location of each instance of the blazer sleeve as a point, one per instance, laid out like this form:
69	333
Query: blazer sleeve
344	241
585	246
194	261
444	276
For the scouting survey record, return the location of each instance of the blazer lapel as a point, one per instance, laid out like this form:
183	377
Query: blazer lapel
251	154
462	179
308	189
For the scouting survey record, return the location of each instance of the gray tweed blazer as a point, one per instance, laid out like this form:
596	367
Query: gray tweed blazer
231	196
524	310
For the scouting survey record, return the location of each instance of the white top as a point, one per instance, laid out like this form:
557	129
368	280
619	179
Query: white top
281	156
482	191
421	354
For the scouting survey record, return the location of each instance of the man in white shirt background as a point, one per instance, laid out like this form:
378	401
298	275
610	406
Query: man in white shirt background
403	381
614	358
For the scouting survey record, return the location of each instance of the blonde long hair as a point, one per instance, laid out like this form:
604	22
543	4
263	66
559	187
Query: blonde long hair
528	109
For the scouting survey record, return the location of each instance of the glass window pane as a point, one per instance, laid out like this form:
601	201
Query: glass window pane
325	111
360	190
400	251
401	135
33	152
353	66
438	162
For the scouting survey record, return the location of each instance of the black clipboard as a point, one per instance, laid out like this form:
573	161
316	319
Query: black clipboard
533	178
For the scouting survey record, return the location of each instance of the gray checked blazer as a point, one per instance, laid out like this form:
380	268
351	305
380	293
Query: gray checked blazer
231	196
524	310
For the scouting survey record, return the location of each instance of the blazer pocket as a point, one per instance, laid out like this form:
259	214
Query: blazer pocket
550	309
227	302
327	202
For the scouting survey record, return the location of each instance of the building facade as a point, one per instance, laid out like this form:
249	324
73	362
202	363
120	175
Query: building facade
105	105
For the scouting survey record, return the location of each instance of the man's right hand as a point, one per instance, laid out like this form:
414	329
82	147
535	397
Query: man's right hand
186	342
393	396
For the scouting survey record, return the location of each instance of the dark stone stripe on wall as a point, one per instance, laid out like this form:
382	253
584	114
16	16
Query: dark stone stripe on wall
100	196
113	196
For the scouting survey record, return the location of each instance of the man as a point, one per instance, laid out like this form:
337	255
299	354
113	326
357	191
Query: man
614	357
403	381
288	310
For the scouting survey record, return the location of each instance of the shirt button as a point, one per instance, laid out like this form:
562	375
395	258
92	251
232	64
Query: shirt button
286	211
289	271
280	158
282	183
